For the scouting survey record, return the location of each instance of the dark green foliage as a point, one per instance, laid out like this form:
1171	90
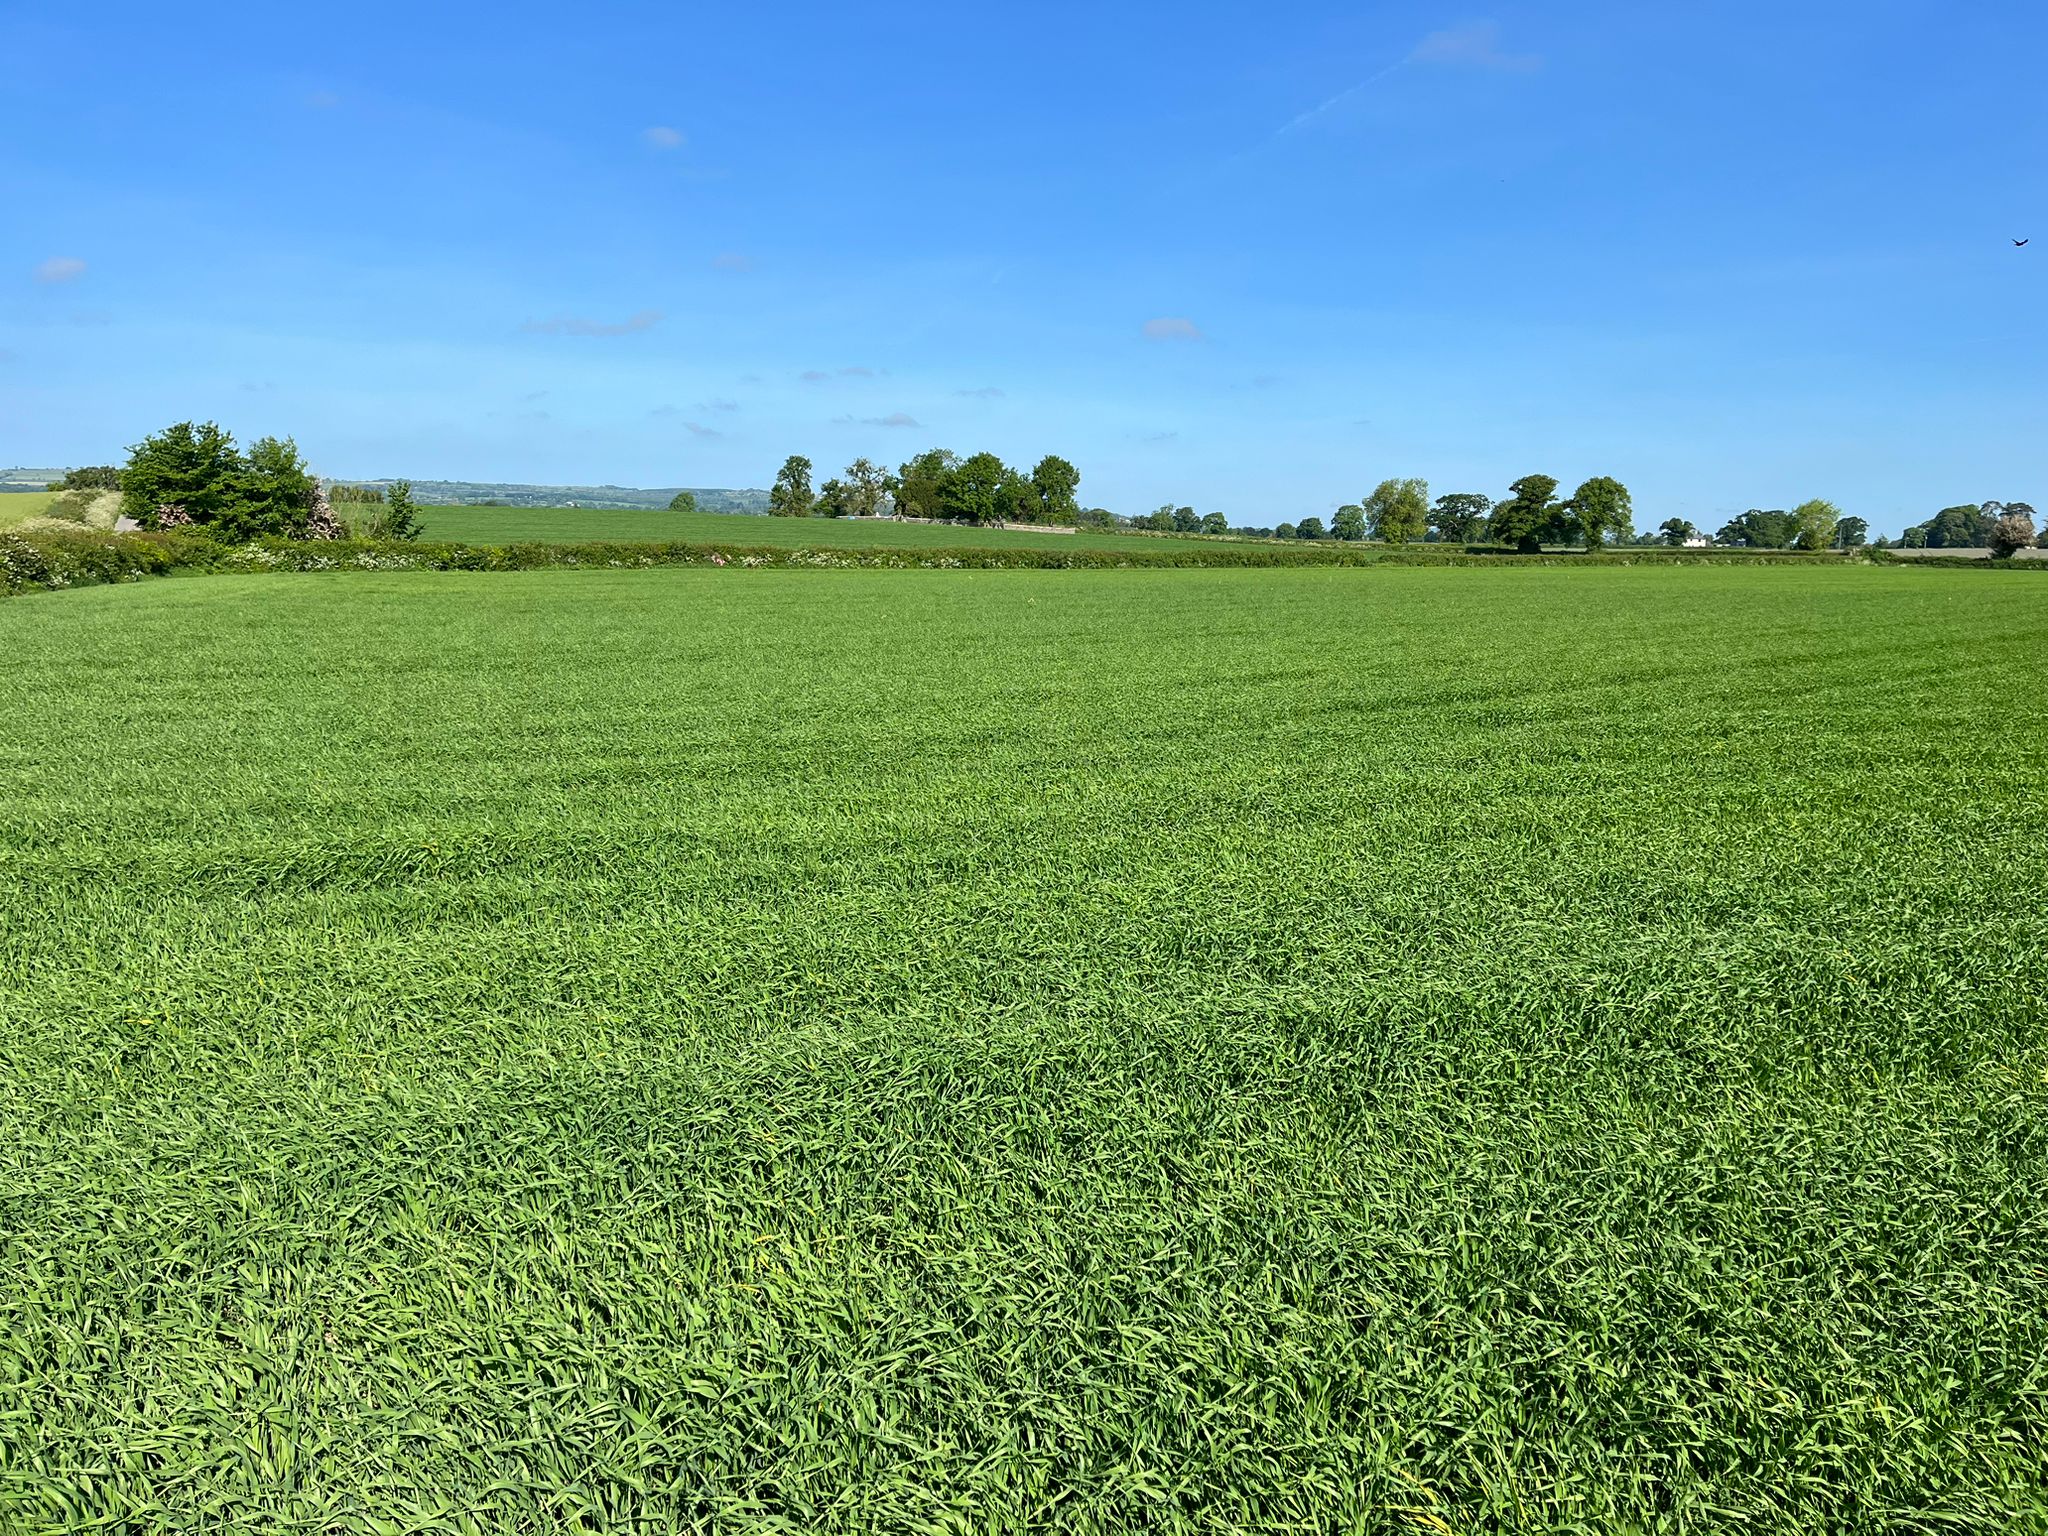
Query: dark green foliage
1349	523
194	468
1397	511
623	1072
277	492
1310	528
401	518
1604	511
1053	484
1460	517
1759	530
1676	530
831	500
1958	527
975	491
683	501
92	477
921	483
1851	532
1528	516
1214	523
791	494
356	495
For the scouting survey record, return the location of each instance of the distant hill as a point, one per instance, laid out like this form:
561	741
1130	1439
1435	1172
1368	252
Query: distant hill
470	493
39	479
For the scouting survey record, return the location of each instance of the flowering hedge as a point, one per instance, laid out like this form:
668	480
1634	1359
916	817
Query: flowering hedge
52	561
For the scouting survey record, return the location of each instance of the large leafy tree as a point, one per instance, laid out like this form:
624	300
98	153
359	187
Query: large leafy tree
1676	530
867	488
1604	510
2012	527
1397	511
1459	517
277	492
1757	529
1530	512
1310	528
921	483
1851	533
1053	484
1349	523
1957	527
682	501
831	500
192	468
791	494
975	492
1814	524
1215	522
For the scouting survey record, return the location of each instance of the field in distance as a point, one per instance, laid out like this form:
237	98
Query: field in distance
19	506
569	525
1104	1050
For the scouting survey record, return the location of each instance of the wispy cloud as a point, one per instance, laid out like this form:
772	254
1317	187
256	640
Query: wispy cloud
893	419
988	393
697	430
1154	437
732	261
1474	45
662	138
815	376
856	373
576	325
60	269
718	405
1172	328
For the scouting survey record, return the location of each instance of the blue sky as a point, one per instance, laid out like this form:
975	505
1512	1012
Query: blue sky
1254	259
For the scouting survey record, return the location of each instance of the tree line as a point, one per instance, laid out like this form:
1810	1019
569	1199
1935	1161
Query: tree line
936	484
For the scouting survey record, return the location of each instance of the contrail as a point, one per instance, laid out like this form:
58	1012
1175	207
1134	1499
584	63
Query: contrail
1339	99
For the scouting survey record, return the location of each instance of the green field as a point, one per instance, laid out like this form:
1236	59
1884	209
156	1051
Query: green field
1331	1050
507	525
18	506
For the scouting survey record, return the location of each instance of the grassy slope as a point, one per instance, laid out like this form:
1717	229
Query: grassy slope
18	506
1535	1049
505	525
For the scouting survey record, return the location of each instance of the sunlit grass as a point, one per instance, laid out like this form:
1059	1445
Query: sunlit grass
1470	1050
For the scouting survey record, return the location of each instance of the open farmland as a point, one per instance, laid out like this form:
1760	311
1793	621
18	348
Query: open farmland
1393	1050
19	506
507	525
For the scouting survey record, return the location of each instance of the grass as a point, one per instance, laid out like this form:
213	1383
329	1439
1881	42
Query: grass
1392	1050
20	506
507	525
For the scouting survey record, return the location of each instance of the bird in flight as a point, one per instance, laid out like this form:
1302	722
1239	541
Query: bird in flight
2022	242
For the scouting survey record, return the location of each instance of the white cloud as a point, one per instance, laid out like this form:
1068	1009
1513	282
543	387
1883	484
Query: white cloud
574	325
60	269
1475	45
1172	328
893	419
663	138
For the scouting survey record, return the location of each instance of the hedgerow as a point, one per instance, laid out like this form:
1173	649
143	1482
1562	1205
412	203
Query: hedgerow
53	561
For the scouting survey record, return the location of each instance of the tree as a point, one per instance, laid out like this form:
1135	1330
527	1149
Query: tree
1460	517
683	501
92	477
1851	532
400	518
791	494
1604	509
1676	530
192	468
1958	527
1529	512
831	500
921	483
1815	522
1159	520
2012	527
277	492
1759	530
1100	519
1309	528
867	488
974	492
1397	511
1185	521
1349	523
1053	483
1214	522
1284	531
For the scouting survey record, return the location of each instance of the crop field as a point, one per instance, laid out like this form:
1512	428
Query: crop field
19	506
1333	1050
508	525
